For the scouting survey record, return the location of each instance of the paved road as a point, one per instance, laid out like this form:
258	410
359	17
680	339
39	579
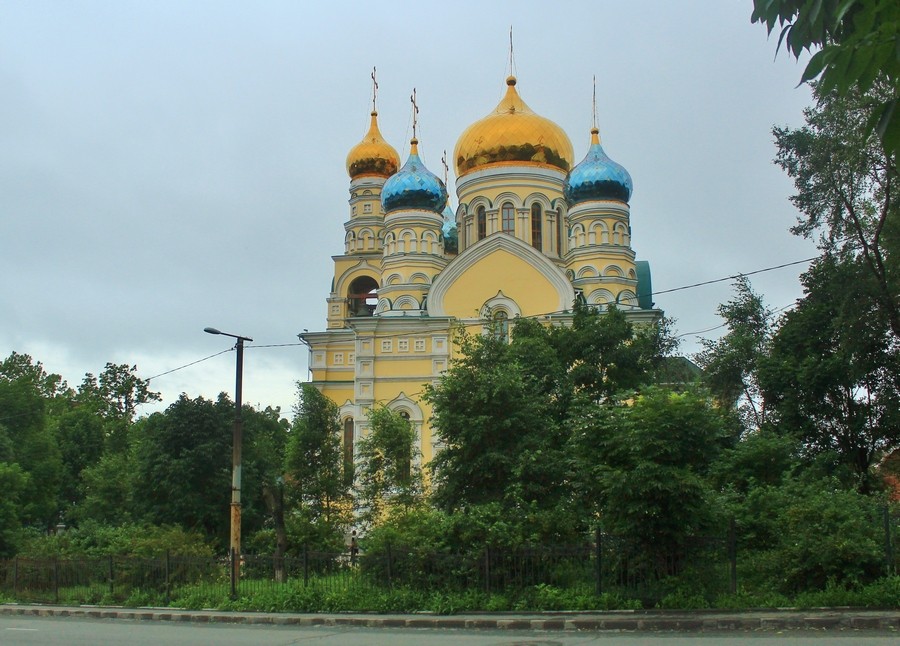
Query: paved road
73	631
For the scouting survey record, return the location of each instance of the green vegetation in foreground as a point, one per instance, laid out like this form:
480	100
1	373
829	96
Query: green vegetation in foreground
295	597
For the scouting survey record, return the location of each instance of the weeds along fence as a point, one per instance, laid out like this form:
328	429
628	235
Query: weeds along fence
606	564
103	580
602	564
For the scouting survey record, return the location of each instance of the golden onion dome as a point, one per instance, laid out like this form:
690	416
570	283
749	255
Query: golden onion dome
373	155
513	133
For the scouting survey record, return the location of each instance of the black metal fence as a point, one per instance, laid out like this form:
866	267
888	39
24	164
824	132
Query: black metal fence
602	564
605	564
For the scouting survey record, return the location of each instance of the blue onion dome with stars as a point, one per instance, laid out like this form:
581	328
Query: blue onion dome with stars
597	177
414	186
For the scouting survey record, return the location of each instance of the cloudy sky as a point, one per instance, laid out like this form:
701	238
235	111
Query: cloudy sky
167	166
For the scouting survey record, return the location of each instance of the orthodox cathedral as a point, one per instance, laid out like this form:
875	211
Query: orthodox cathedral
533	231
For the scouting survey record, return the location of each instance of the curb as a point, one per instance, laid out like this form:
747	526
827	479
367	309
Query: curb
769	621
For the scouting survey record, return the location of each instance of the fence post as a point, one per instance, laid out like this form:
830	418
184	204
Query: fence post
732	557
305	565
168	588
232	568
888	547
487	569
56	580
389	564
598	554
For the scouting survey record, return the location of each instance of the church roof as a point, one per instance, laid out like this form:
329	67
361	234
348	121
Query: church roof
514	133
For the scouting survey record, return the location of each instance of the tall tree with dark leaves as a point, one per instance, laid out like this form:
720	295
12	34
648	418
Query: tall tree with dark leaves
731	363
314	469
832	377
388	476
847	190
28	398
182	466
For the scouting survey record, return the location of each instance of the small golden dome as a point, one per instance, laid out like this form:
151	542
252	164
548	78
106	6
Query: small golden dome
514	134
373	155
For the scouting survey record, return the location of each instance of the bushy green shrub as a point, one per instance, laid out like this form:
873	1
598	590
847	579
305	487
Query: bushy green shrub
799	536
93	540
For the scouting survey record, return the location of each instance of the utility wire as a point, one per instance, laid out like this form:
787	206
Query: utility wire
719	280
192	363
532	316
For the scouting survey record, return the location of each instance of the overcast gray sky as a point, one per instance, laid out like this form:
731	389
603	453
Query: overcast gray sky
166	166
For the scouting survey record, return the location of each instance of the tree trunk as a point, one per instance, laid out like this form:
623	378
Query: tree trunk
274	496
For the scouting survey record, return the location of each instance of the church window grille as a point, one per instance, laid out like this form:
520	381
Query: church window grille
508	219
536	231
420	345
387	345
482	222
402	345
367	208
338	358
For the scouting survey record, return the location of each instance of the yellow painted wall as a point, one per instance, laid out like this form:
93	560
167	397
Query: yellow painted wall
501	270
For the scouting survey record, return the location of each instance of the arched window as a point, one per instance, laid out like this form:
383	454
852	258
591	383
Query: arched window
508	219
482	222
405	467
560	232
536	215
363	296
501	325
348	451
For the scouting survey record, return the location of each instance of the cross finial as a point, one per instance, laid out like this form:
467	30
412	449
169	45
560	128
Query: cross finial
594	104
412	99
446	167
374	89
512	69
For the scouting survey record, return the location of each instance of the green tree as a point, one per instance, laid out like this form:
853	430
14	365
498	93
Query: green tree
265	441
731	364
13	482
833	374
114	397
856	43
79	434
182	466
388	476
107	489
487	415
847	190
643	462
504	411
314	470
28	397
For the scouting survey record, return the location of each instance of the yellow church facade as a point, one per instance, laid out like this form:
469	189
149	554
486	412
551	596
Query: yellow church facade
534	231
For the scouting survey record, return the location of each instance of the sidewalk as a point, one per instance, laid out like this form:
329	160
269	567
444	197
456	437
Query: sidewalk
614	621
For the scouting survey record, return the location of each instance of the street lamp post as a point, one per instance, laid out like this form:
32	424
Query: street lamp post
237	443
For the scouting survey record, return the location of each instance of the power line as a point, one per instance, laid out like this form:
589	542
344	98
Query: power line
721	325
719	280
192	363
531	316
